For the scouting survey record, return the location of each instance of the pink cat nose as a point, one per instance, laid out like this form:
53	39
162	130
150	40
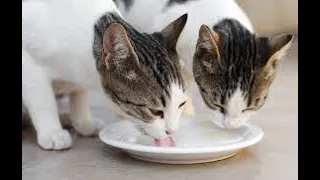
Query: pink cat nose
169	131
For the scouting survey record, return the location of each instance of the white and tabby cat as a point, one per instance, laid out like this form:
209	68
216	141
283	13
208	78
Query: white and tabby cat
71	45
232	66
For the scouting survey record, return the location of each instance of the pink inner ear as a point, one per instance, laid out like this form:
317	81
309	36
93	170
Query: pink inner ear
106	60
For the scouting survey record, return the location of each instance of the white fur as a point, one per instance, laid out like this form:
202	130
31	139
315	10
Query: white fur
236	103
235	116
57	38
39	99
172	114
56	48
143	13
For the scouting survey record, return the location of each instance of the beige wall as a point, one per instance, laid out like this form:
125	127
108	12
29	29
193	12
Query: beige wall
272	16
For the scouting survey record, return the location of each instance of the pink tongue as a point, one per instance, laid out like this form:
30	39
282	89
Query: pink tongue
168	142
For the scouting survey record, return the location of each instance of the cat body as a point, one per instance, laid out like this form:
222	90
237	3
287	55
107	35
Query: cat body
70	46
48	59
232	66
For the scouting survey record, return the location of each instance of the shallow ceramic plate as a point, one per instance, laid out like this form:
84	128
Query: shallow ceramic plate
197	141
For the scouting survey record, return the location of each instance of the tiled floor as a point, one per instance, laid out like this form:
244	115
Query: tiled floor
274	158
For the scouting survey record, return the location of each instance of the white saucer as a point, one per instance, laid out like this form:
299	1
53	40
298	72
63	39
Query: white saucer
197	141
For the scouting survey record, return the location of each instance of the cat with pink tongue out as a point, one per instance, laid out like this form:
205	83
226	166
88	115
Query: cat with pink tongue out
72	46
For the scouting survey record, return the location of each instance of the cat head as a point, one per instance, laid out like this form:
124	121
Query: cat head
234	69
141	74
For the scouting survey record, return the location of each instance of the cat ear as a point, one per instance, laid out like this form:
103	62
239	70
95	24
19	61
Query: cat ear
207	49
208	41
279	46
117	48
172	32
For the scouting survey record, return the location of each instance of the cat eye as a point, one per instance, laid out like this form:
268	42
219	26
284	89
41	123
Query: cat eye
157	112
182	104
203	90
219	106
222	109
248	109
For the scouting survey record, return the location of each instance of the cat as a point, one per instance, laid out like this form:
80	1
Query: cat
70	46
234	70
232	66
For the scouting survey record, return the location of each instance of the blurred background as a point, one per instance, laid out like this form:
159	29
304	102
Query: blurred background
272	16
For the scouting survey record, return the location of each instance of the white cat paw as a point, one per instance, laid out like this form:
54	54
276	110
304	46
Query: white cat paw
90	128
56	140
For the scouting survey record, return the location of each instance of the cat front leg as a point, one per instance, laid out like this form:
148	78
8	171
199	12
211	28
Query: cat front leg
188	109
38	97
80	114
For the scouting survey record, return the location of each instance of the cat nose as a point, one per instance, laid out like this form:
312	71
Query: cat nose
169	131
